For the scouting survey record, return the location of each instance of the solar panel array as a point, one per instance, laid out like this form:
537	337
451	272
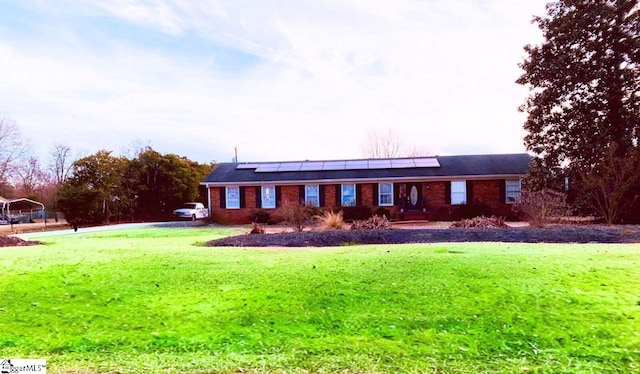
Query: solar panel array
401	163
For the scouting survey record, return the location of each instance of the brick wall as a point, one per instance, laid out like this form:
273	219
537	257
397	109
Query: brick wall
290	194
434	192
367	194
215	197
330	191
251	196
487	192
483	191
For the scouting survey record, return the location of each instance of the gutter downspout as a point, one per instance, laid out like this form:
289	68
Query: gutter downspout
209	202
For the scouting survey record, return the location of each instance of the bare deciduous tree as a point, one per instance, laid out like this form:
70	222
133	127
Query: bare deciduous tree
608	185
417	151
382	144
389	144
539	207
13	147
30	178
61	162
135	148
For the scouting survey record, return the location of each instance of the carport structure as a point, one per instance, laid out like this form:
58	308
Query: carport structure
19	206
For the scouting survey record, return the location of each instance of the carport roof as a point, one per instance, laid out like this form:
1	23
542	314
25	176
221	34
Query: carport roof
21	204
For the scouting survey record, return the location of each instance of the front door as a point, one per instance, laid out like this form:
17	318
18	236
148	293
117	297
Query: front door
414	196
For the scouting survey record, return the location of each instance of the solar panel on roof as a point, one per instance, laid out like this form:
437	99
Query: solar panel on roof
311	165
379	164
334	165
427	162
356	164
405	163
290	166
267	168
272	167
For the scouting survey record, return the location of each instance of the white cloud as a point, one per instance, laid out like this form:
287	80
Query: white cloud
439	72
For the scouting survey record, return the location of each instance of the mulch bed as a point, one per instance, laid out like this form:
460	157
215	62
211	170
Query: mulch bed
12	241
551	234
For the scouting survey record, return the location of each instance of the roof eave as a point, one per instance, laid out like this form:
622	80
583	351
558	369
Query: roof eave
360	180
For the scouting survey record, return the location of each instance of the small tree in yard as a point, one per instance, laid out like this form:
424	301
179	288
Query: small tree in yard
80	205
606	186
540	206
296	215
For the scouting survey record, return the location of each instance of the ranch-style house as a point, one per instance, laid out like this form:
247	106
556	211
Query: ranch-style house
407	188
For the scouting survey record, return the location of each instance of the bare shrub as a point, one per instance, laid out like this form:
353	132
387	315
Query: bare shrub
256	229
608	186
373	223
481	222
539	207
296	215
332	220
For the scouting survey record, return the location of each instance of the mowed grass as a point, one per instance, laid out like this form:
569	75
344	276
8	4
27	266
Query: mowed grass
153	301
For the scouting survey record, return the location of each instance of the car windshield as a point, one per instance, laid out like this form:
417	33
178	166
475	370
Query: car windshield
189	206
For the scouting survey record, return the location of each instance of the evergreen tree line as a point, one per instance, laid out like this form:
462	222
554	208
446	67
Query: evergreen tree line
104	188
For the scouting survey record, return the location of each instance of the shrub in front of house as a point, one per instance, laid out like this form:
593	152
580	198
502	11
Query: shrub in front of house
315	211
441	213
256	229
481	222
332	220
541	207
296	215
382	212
358	212
374	222
259	216
471	210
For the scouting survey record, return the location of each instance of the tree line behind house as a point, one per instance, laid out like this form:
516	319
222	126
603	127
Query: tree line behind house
102	187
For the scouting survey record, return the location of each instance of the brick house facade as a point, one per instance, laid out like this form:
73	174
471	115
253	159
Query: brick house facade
431	188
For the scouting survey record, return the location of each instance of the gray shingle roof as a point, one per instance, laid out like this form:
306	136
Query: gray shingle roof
450	167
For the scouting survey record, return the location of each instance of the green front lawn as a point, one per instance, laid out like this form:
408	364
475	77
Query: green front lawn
149	300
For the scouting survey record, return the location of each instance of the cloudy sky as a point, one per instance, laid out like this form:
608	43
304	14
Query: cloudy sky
279	80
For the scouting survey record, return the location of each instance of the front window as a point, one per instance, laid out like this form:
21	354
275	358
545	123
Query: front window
458	192
233	198
385	194
312	195
513	189
268	197
348	195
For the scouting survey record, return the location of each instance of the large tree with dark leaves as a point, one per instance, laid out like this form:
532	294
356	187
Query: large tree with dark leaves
94	193
159	183
584	103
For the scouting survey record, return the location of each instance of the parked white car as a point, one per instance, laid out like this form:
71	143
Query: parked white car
192	211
